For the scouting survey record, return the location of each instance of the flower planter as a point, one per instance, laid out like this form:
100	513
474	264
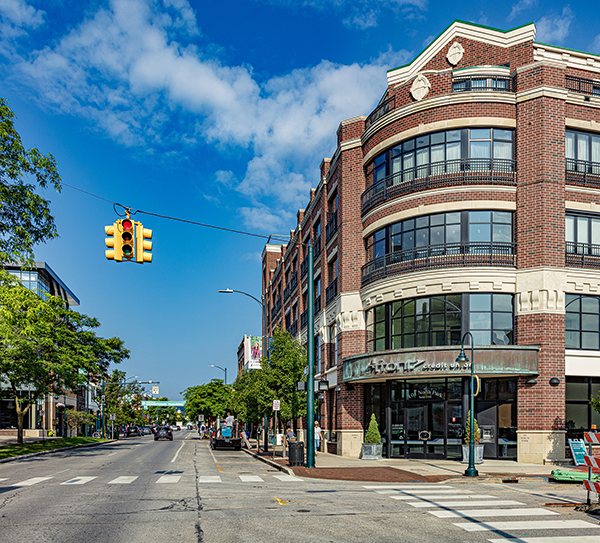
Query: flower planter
371	451
478	454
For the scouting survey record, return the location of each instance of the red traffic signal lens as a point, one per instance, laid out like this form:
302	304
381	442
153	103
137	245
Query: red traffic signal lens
127	224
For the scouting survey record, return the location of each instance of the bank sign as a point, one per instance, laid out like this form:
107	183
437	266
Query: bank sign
441	361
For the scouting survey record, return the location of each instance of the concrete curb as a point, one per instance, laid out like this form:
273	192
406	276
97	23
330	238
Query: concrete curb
270	462
31	455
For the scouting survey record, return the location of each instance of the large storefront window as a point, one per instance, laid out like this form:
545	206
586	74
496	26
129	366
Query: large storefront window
446	231
441	320
582	322
580	416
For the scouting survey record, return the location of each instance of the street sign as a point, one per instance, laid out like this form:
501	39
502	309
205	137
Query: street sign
162	404
276	405
200	418
578	451
112	416
155	390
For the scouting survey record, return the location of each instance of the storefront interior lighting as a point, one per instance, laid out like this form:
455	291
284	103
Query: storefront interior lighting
555	381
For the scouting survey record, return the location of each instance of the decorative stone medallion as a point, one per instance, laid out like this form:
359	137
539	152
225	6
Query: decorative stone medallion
420	87
455	53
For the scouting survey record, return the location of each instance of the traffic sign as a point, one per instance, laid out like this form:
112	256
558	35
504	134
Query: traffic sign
276	405
155	390
112	416
200	418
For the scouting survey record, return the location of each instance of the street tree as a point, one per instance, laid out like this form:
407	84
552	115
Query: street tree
47	348
210	399
25	217
160	414
252	398
121	399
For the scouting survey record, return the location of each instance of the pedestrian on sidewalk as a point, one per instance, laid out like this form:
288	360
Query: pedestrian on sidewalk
317	436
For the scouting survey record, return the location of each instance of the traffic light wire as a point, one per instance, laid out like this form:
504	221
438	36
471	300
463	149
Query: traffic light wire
134	211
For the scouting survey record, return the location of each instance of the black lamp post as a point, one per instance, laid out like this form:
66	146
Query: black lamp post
462	358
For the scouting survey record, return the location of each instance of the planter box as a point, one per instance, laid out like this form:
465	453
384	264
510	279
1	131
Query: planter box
478	454
371	451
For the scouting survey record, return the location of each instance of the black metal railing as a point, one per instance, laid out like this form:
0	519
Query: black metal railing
317	248
317	304
380	111
331	292
582	255
290	288
304	267
582	85
461	171
449	255
331	227
303	319
482	83
582	172
276	307
293	329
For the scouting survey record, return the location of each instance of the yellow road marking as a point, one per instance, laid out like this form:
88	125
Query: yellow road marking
219	467
285	502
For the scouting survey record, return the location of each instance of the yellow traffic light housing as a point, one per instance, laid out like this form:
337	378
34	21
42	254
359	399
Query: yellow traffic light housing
113	243
127	235
143	244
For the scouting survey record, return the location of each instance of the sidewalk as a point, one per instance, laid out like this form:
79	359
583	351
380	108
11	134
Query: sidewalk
397	470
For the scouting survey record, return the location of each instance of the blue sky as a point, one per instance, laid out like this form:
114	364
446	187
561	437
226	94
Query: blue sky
216	112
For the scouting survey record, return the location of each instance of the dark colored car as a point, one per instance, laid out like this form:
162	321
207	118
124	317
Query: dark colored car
163	432
132	431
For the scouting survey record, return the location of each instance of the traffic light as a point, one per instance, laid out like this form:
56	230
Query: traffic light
113	243
127	230
143	244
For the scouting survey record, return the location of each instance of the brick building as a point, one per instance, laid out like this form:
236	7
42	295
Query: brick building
465	202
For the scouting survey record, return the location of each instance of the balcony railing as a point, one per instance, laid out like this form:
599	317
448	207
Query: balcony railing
293	329
317	250
317	304
290	288
449	255
331	292
582	172
582	255
583	86
276	307
331	227
303	319
482	83
304	267
380	111
461	171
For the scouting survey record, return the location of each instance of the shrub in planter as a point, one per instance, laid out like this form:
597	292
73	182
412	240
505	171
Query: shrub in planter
476	439
50	433
371	448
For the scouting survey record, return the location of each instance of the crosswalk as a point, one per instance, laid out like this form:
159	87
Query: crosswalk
162	480
479	512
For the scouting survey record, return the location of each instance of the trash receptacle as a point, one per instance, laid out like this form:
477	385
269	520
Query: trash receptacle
296	454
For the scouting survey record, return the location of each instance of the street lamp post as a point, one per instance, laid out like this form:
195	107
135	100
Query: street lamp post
223	369
264	346
104	398
462	358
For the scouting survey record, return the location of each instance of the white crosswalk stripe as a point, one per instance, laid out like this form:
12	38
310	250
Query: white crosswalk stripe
441	497
32	481
3	478
525	525
483	513
78	481
421	492
406	486
251	479
166	479
464	503
209	479
123	480
289	478
560	539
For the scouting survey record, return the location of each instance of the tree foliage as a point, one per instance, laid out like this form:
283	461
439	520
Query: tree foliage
46	347
159	414
210	399
25	217
373	435
121	399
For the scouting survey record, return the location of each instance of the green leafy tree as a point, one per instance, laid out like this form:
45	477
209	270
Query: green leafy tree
210	399
373	435
25	217
252	397
46	347
121	399
75	419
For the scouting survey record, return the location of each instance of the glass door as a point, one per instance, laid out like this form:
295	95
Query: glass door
425	424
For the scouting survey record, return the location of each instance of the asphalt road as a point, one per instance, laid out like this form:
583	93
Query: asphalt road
181	491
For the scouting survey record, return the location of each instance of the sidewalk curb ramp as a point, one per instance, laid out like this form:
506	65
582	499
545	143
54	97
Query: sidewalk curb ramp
31	455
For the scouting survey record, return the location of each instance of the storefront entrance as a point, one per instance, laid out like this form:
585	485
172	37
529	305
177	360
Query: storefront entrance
425	423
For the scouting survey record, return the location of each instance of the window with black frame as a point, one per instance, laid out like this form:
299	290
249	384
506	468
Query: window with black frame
441	320
580	416
582	322
582	152
582	234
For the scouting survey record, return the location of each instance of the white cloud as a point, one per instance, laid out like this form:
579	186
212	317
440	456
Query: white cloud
15	18
554	29
520	6
131	70
595	45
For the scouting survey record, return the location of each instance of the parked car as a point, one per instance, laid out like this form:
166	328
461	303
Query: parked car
132	431
147	430
163	432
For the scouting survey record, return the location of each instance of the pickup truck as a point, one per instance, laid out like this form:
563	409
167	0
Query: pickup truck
226	436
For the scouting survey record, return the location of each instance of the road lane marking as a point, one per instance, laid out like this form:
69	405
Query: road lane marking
168	479
443	497
214	459
561	539
123	480
525	525
479	513
79	481
110	454
405	487
288	478
209	479
422	492
3	478
464	503
33	481
251	479
177	453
